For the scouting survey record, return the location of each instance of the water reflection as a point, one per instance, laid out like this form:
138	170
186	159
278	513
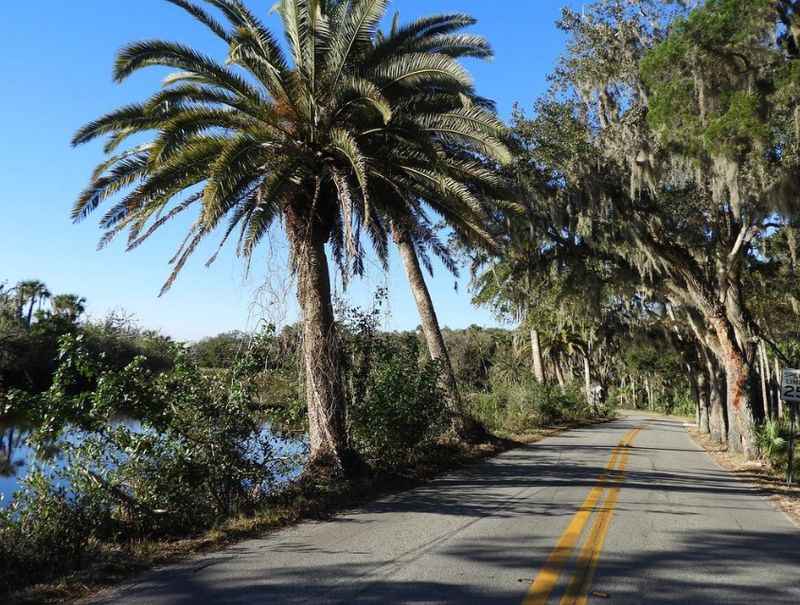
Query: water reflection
17	458
15	455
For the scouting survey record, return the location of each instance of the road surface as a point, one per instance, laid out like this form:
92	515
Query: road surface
625	512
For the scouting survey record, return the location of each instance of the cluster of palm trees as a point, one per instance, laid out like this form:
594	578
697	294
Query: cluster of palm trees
20	301
357	135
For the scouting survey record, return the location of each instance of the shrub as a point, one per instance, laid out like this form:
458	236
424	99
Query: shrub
772	439
43	532
219	351
527	405
403	405
195	452
395	403
200	438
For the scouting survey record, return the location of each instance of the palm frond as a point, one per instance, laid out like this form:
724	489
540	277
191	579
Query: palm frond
228	175
202	16
358	26
423	69
358	91
123	173
455	45
345	144
150	53
400	37
127	119
277	188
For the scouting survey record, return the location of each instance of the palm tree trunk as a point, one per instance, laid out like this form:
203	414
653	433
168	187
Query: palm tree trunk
321	350
778	387
766	374
587	381
763	373
559	373
536	357
430	326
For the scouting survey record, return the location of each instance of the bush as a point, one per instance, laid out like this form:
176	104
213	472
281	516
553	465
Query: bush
772	440
195	452
199	438
527	405
402	408
30	358
220	351
395	403
43	532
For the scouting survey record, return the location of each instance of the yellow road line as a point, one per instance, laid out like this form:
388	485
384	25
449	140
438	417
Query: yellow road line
578	590
539	591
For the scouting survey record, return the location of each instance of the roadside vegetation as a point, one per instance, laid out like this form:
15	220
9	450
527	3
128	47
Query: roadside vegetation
125	427
636	231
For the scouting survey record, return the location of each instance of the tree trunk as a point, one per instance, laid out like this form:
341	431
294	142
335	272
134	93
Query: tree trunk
704	402
717	425
739	383
559	373
587	382
536	357
324	386
431	330
695	395
763	374
623	391
778	387
772	403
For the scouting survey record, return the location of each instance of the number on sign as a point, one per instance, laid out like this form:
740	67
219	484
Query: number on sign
790	386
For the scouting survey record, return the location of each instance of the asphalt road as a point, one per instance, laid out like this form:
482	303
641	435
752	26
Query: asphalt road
575	518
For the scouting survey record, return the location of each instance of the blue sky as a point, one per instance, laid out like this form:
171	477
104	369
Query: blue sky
55	65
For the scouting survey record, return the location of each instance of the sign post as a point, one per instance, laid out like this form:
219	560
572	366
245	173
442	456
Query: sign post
790	393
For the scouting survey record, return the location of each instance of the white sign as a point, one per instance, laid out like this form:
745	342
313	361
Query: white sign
790	386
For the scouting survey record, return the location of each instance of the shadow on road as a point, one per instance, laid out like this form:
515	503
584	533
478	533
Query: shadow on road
724	558
524	487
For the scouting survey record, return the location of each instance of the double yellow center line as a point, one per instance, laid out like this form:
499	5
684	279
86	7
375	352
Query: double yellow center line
578	589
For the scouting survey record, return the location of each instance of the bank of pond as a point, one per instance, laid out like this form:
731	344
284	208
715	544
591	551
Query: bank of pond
19	457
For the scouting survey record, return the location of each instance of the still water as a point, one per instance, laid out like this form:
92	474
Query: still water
17	457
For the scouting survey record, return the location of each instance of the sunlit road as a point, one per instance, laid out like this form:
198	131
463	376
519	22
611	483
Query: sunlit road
607	514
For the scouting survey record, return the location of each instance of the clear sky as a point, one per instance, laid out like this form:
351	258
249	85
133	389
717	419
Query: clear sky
55	69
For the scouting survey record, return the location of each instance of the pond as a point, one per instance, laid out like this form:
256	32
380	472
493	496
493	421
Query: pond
17	457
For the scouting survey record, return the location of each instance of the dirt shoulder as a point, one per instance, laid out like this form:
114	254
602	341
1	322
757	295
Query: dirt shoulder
307	500
771	483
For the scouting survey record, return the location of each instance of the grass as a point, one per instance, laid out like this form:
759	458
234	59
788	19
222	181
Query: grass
302	500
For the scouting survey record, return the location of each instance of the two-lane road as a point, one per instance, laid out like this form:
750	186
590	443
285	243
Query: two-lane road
625	512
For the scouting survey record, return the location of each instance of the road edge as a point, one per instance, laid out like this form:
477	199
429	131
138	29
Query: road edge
756	477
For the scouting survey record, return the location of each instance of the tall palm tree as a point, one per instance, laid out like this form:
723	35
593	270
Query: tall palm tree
68	306
413	232
31	292
261	139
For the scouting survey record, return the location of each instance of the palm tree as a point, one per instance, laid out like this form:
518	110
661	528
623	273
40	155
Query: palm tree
68	306
413	232
261	139
31	292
